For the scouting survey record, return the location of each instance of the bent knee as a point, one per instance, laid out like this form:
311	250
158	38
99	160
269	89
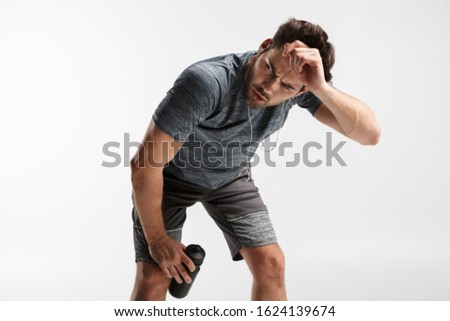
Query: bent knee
150	284
151	276
266	262
272	266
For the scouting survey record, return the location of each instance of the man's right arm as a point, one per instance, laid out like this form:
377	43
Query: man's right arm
147	165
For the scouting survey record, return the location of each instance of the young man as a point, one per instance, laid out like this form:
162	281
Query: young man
199	142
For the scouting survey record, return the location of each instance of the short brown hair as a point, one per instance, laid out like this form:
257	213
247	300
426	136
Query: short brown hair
310	34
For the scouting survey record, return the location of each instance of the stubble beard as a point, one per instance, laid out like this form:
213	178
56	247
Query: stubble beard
250	102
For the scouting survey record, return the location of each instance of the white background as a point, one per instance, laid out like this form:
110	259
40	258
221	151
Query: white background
76	75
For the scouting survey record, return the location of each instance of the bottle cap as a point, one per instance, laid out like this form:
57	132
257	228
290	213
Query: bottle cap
196	253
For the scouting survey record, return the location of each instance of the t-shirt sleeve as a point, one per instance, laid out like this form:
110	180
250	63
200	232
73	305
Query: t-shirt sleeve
309	101
190	100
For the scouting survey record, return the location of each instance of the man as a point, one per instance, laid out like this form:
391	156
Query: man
199	142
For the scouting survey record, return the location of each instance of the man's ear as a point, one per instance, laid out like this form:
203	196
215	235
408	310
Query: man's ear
264	45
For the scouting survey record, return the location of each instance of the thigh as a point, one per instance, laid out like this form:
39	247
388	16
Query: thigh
239	211
142	253
177	196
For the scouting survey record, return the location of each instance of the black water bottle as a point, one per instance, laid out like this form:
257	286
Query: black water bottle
196	254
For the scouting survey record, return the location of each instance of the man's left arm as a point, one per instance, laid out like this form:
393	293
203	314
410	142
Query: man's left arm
340	111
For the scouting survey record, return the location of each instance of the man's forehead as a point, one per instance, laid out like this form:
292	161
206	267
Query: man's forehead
282	65
276	56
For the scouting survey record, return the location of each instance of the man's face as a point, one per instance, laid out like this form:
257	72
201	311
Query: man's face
270	79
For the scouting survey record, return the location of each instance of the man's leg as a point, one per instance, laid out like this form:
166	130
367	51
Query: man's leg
238	209
267	265
150	284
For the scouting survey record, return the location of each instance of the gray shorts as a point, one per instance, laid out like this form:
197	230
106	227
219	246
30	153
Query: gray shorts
236	207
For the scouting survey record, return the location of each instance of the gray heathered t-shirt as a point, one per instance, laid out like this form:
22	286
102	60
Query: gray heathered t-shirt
205	109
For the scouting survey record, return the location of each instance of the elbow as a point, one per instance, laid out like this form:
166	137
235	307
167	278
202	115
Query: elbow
373	136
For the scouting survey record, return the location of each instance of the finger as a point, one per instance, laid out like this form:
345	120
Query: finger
297	62
175	274
182	271
310	58
310	54
188	262
297	56
294	60
166	272
289	47
301	64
